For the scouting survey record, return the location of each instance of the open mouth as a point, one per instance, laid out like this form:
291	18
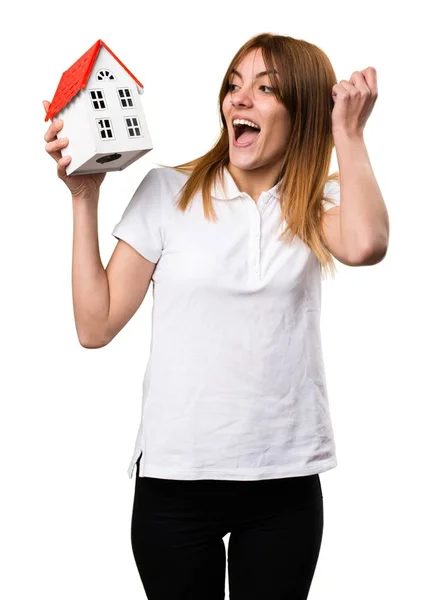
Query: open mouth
245	134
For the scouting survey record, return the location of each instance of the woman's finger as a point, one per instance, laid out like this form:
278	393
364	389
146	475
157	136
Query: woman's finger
53	148
53	130
61	166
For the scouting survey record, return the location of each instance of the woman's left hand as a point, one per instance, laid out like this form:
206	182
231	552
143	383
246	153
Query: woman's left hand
354	100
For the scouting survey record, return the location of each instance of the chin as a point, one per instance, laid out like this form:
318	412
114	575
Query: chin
246	164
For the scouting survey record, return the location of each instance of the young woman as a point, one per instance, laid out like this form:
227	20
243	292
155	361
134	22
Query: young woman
235	424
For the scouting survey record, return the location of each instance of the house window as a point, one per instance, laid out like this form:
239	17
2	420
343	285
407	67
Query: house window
98	100
104	74
105	129
125	97
133	126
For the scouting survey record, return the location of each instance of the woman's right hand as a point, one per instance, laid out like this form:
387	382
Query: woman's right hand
79	185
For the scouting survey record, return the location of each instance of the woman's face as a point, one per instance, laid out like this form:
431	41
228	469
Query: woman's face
254	100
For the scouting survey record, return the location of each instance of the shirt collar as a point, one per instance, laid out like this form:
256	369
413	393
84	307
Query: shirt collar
232	190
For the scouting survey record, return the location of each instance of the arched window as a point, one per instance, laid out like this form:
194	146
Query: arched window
104	74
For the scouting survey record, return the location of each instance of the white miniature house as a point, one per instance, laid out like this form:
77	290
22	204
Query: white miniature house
98	101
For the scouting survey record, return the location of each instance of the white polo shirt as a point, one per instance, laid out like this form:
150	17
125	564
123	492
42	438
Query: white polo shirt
235	386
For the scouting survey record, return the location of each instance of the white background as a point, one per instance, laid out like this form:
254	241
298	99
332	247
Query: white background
69	415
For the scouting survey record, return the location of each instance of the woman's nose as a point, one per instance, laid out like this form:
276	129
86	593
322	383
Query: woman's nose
243	97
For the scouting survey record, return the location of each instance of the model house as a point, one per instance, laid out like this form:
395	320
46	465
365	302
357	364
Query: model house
98	101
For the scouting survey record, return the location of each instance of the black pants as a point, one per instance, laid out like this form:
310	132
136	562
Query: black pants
275	527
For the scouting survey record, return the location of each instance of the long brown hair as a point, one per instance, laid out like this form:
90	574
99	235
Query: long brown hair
305	88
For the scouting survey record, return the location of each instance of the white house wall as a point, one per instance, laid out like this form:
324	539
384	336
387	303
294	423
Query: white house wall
114	111
75	127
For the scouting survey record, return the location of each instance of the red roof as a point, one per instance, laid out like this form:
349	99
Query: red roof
75	78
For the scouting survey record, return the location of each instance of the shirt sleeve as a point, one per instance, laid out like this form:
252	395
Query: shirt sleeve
332	191
141	222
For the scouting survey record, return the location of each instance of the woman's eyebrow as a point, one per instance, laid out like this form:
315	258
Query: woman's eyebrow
261	74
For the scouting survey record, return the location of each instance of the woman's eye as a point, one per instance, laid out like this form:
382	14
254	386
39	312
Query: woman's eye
233	85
